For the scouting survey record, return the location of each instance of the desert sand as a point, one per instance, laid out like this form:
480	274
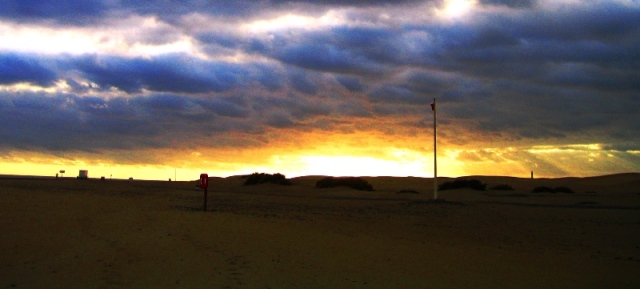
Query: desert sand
149	234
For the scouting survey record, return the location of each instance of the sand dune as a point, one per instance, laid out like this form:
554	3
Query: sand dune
146	234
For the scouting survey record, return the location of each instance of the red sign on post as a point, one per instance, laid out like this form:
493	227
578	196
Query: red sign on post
204	181
204	184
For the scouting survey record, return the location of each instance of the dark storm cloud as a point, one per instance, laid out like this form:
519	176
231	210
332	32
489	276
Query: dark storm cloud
63	11
298	106
319	56
449	87
280	120
67	122
95	11
509	3
526	112
517	46
168	9
353	108
164	8
350	83
165	73
340	49
227	40
593	41
16	68
355	3
300	82
591	76
174	73
304	108
397	94
270	77
600	21
226	107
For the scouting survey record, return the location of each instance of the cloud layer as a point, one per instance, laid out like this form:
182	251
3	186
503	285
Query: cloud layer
128	75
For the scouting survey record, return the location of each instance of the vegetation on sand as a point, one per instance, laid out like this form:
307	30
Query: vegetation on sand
261	178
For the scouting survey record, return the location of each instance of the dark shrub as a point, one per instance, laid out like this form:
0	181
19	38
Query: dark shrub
543	190
563	190
460	184
261	178
477	185
351	182
502	188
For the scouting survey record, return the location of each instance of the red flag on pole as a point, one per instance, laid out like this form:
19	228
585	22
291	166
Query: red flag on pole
433	106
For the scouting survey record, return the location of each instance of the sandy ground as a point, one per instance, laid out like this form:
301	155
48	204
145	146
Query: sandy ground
118	234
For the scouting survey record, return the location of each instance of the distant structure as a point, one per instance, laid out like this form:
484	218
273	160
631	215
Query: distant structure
61	174
532	175
83	174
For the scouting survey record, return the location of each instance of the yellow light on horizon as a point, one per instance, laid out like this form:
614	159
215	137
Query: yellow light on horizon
343	158
360	166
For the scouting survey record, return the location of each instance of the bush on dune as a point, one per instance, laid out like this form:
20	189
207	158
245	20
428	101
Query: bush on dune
261	178
461	184
351	182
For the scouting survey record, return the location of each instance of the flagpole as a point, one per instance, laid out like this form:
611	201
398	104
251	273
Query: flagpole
435	154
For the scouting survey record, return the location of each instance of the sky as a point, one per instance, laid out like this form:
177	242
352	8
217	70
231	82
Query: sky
171	89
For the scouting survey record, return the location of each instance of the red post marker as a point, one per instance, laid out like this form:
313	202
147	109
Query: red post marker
204	181
204	184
